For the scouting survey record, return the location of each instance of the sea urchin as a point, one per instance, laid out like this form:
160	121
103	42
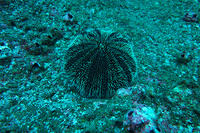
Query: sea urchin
100	63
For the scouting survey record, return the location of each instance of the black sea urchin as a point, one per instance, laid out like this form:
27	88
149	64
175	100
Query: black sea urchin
100	63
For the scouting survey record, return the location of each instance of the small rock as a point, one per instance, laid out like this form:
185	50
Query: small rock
124	92
35	67
5	55
191	17
12	84
68	17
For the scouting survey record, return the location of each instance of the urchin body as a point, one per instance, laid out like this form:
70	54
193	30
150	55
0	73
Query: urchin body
100	63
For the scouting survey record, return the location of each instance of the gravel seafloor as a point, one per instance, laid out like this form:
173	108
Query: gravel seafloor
37	96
